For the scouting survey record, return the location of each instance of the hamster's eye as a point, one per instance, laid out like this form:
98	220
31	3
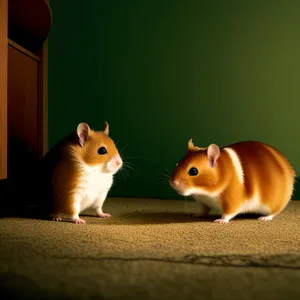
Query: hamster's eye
102	151
193	171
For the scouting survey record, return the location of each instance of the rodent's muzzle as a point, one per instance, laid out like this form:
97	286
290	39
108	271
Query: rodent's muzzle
178	185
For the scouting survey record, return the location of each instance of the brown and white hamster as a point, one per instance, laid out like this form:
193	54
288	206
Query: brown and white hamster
77	173
245	177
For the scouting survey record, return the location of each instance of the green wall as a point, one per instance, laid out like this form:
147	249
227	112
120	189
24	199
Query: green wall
161	72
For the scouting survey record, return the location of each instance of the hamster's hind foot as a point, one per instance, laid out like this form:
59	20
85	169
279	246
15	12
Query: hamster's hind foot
57	219
221	221
266	218
104	215
225	218
78	221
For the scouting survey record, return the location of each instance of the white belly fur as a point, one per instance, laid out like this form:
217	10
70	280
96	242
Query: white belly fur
93	184
212	202
253	205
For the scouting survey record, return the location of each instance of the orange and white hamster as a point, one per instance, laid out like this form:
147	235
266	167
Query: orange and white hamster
245	177
78	173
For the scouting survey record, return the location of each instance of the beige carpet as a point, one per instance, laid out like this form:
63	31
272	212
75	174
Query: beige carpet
150	249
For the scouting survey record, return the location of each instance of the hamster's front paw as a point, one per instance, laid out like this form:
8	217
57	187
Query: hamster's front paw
103	215
265	218
58	219
78	221
221	221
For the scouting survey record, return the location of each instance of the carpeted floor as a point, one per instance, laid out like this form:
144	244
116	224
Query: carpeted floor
151	249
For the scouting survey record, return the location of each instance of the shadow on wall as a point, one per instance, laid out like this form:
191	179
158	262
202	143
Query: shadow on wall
296	194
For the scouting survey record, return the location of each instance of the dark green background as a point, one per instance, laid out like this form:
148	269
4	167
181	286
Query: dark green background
161	72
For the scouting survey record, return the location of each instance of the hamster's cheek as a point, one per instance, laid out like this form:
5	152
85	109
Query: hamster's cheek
102	167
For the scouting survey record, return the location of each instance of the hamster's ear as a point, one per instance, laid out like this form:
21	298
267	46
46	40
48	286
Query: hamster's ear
190	144
83	130
213	153
106	128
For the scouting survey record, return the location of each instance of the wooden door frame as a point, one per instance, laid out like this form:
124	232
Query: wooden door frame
43	96
3	87
43	102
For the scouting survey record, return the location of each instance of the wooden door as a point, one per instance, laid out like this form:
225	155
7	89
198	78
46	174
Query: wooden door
23	99
22	119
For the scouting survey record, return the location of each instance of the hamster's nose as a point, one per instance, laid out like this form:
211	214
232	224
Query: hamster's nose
118	160
176	183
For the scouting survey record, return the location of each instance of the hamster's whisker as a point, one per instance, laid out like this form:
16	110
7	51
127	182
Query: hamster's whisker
128	173
128	163
122	174
128	166
169	188
166	176
168	172
123	149
163	181
125	174
166	184
125	168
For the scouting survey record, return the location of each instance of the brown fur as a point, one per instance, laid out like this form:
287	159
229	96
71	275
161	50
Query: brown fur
265	169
